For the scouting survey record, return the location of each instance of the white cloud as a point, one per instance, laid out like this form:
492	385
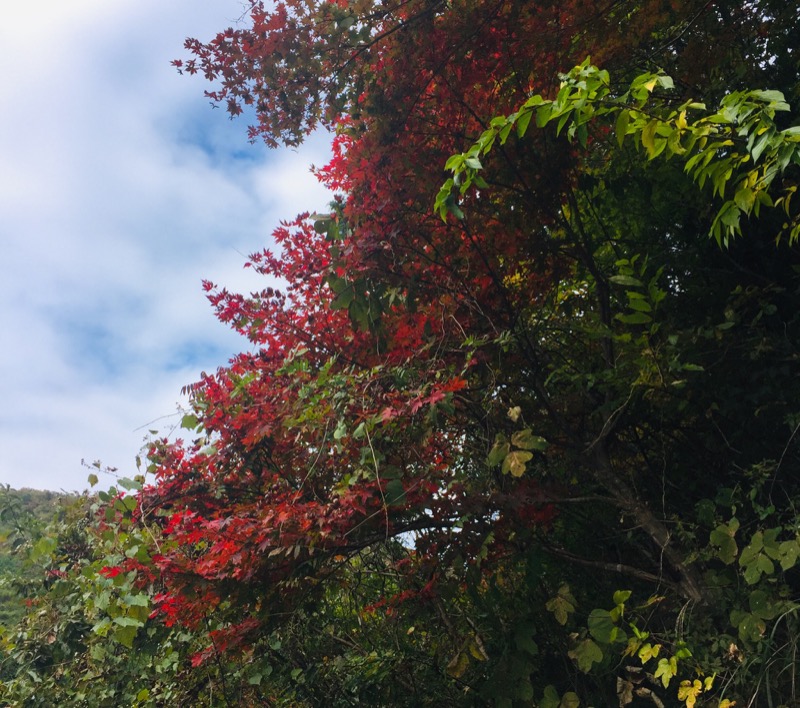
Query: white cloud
120	190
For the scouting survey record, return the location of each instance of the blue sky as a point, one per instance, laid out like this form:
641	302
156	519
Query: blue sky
120	190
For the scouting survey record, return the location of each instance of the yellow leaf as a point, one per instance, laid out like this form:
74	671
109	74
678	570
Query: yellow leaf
689	691
458	665
648	651
515	462
649	137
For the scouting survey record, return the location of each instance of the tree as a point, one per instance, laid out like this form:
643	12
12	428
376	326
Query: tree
506	456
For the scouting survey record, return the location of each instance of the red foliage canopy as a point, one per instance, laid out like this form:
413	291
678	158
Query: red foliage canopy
374	398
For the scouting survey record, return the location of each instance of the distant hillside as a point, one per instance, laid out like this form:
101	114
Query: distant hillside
24	515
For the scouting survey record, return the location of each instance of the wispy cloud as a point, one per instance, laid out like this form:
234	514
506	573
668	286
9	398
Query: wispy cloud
120	190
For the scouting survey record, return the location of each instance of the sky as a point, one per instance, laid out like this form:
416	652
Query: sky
121	189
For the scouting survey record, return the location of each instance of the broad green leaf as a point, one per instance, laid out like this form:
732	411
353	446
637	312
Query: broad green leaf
125	636
130	484
523	638
751	628
603	629
523	121
343	299
550	699
761	606
665	82
526	440
189	421
499	451
722	537
744	199
395	493
769	96
789	552
586	655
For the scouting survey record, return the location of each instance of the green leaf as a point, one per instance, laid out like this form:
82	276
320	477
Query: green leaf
626	280
751	627
586	654
499	450
130	484
344	298
395	493
603	629
550	699
639	305
623	120
722	537
789	552
666	82
522	122
125	636
523	638
340	431
769	96
622	596
189	422
761	606
744	199
634	318
44	547
526	440
125	621
569	700
761	145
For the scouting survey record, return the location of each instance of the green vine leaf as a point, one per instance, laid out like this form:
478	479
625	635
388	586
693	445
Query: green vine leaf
586	654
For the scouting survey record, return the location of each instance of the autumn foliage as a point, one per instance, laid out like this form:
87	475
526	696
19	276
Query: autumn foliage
456	442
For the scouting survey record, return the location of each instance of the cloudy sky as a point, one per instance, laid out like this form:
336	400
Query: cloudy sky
120	190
